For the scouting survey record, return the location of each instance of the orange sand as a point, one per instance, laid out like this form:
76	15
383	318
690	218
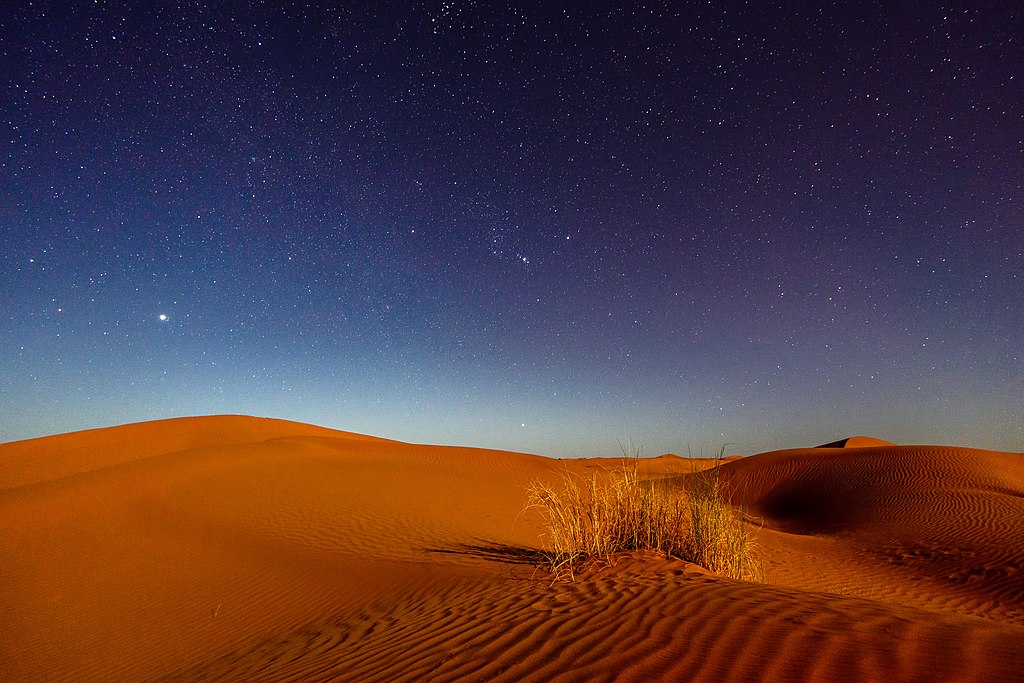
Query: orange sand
236	548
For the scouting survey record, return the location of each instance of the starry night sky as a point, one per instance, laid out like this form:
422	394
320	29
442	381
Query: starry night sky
537	229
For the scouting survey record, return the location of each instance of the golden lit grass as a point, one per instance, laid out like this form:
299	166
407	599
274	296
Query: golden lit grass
717	538
616	510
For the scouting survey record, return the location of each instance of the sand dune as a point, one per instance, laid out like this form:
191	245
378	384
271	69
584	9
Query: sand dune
235	548
70	454
929	526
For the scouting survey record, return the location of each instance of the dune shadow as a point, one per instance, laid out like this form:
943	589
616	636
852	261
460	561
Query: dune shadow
495	552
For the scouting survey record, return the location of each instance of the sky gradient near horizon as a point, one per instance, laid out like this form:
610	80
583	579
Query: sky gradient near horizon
535	229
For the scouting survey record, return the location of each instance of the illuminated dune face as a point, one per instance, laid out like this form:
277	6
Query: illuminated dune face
238	548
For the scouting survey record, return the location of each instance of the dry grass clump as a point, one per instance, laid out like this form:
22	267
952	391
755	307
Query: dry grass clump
717	538
616	510
610	512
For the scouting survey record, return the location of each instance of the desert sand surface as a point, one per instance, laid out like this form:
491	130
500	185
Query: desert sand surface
243	549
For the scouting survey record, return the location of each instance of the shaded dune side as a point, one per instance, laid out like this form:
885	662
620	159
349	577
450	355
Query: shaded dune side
936	525
857	442
52	457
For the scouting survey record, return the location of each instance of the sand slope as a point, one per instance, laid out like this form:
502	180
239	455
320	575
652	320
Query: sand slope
234	548
923	525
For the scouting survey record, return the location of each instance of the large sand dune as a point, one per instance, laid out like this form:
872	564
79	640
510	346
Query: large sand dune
234	548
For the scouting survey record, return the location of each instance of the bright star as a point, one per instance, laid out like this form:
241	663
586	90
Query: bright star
163	317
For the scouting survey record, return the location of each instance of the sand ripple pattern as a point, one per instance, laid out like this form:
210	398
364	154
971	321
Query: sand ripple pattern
627	626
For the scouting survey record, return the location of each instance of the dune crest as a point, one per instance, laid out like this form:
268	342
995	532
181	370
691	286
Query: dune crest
236	548
92	449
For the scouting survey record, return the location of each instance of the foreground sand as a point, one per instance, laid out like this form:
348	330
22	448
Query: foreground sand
235	548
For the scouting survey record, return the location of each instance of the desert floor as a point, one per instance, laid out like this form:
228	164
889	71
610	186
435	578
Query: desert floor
238	548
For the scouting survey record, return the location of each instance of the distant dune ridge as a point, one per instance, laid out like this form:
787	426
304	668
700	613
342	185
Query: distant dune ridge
240	548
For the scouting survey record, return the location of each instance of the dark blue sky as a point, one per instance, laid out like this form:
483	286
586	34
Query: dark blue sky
540	229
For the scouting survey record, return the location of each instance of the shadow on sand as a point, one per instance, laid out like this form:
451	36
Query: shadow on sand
495	552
